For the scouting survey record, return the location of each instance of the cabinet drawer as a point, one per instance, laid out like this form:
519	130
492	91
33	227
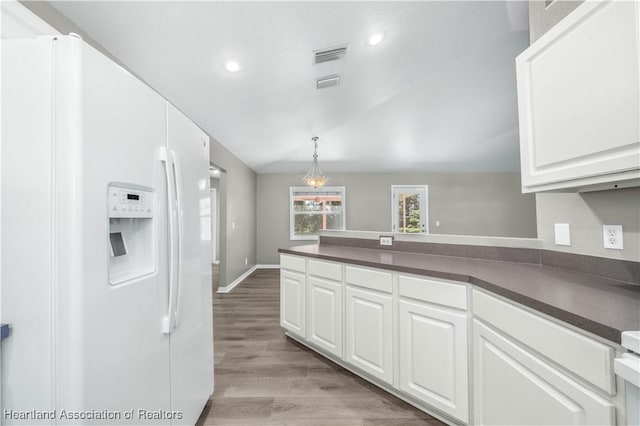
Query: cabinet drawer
434	291
587	358
369	278
292	263
329	270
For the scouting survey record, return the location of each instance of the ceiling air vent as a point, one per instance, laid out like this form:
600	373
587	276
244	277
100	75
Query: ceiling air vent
331	54
328	81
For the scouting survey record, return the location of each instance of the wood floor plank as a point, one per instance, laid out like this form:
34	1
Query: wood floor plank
264	378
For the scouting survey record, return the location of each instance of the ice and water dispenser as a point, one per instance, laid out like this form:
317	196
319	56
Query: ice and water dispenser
131	232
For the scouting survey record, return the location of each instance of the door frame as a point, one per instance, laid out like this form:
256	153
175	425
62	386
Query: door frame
425	209
213	195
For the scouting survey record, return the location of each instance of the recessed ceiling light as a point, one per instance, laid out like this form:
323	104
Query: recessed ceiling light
233	66
375	38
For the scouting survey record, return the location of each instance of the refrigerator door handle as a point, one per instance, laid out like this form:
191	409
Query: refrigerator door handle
179	222
5	330
169	319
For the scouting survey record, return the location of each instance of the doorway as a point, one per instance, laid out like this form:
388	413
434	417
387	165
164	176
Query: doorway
409	209
214	227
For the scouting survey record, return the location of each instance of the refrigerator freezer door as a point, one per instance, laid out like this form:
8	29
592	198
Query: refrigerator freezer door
111	353
27	229
192	337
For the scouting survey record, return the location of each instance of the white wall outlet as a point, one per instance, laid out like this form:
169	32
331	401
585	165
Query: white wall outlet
246	261
612	235
563	234
437	223
386	241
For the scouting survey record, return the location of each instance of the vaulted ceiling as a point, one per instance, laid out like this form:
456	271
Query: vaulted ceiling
437	94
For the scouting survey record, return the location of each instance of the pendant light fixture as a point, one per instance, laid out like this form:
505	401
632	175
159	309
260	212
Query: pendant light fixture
315	178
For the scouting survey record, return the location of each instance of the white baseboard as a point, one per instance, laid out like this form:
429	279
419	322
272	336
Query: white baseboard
242	277
237	281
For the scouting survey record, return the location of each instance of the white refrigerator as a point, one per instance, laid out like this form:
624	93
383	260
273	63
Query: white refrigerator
105	255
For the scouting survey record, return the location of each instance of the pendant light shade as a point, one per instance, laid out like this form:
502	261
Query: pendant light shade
315	178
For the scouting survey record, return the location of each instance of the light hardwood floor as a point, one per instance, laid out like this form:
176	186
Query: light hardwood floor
264	378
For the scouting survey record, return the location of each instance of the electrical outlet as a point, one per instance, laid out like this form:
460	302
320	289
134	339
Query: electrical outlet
246	261
386	241
612	235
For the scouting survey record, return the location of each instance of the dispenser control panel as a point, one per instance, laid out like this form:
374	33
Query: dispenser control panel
125	202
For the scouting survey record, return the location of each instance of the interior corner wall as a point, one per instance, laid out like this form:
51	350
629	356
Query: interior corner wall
237	214
586	213
463	203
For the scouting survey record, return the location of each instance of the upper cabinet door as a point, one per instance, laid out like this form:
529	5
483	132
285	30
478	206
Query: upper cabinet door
579	100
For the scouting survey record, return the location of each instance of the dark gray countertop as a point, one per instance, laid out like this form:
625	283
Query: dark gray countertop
601	306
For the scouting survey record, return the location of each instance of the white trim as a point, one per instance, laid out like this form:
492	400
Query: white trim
227	289
237	281
268	266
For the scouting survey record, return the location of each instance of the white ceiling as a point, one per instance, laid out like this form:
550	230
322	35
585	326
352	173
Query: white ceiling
438	94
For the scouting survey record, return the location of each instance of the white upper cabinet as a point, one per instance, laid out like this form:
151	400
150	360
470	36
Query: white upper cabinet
579	101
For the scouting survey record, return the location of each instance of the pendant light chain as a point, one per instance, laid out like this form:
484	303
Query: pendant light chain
315	178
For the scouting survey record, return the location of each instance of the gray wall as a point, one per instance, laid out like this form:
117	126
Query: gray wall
586	213
464	203
237	195
237	187
543	17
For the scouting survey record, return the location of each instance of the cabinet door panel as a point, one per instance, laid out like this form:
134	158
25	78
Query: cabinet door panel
292	302
513	387
324	323
579	97
433	357
368	332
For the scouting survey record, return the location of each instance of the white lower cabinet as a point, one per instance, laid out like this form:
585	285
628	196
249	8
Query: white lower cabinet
512	386
292	302
526	369
324	314
433	356
369	325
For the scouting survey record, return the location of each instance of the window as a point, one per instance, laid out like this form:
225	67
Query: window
314	210
409	209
